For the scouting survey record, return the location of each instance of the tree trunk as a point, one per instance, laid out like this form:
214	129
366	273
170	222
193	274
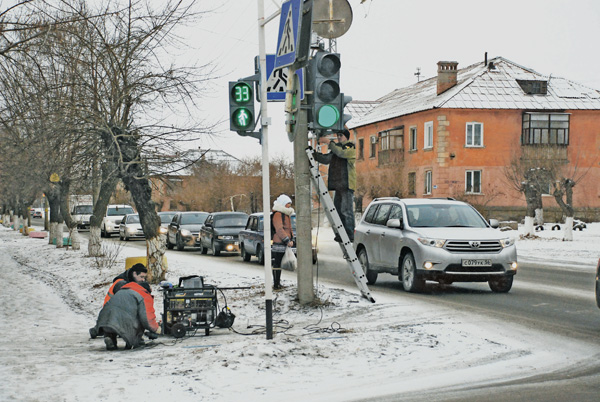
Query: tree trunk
108	185
94	244
528	227
568	231
157	267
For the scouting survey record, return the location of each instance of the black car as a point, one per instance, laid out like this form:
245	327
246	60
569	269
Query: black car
252	239
220	232
184	229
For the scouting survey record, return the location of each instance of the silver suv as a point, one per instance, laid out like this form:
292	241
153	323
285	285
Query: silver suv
440	240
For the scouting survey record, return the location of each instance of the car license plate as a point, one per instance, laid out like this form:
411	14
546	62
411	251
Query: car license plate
477	263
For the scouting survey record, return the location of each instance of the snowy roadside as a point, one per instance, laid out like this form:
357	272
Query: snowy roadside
344	349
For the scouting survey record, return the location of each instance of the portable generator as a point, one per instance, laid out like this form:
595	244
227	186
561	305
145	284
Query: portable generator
188	307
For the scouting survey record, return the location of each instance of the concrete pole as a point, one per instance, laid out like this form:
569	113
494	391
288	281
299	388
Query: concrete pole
306	293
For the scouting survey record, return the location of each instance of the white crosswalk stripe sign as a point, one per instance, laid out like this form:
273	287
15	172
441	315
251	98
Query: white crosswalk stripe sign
288	43
277	81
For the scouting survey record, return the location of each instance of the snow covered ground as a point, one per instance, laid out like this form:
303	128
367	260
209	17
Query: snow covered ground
343	348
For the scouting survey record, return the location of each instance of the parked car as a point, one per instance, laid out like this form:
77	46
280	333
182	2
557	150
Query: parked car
37	213
113	217
440	240
184	229
82	214
130	227
220	232
252	239
165	219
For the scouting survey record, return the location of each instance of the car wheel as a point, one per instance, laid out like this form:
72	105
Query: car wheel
260	254
169	244
501	285
245	255
203	249
120	236
180	245
126	238
411	282
216	252
363	259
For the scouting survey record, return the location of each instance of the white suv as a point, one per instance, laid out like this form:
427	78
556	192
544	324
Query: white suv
440	240
112	218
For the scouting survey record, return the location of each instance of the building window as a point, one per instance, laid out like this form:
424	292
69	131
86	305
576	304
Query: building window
413	139
473	182
545	129
474	135
361	148
534	87
384	141
412	183
373	142
428	182
428	135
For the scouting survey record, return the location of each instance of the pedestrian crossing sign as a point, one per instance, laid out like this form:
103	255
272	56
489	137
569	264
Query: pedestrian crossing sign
289	30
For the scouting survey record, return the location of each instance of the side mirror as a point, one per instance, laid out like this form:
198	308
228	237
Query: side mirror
395	224
494	223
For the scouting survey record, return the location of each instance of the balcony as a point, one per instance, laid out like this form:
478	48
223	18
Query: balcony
390	157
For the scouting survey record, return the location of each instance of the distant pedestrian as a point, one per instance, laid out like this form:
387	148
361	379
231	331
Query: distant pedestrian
283	234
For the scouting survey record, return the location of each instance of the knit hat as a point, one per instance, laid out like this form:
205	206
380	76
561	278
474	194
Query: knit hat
283	200
137	268
346	134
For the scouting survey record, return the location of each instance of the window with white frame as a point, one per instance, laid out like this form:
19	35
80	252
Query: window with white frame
373	145
412	139
384	141
428	182
474	135
473	182
428	136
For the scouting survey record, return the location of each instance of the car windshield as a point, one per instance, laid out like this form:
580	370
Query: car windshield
194	218
84	209
166	218
116	211
230	221
133	219
444	215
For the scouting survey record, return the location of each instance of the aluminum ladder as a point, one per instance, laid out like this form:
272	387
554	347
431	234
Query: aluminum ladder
338	227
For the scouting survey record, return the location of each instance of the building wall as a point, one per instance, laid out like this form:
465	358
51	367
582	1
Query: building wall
450	158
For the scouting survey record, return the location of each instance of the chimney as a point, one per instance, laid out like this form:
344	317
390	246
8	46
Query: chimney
446	75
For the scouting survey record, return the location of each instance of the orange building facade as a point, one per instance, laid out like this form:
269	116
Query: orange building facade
458	134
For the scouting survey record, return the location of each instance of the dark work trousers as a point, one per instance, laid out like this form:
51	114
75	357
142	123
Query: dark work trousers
277	257
343	201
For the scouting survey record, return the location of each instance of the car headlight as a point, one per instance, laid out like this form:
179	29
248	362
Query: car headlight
439	243
507	242
131	230
162	230
225	237
185	232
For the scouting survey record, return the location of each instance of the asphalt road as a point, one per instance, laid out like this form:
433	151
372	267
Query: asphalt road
552	298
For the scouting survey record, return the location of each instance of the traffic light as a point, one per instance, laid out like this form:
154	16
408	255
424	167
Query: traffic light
325	85
345	117
241	106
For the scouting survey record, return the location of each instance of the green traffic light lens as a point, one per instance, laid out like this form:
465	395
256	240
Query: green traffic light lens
242	118
328	115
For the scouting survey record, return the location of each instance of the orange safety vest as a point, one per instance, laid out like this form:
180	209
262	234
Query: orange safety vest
148	303
111	292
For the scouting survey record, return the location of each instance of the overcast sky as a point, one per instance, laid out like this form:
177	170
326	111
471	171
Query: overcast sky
390	39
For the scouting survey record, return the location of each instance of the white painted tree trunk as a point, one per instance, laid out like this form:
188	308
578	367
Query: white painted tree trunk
16	223
528	228
75	239
94	244
59	235
155	248
568	231
539	216
52	232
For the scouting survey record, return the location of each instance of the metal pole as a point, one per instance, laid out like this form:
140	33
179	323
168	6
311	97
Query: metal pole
306	293
265	168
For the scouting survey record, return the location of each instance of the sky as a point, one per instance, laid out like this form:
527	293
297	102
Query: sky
343	349
389	40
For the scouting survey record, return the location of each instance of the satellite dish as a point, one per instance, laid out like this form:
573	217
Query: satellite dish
331	18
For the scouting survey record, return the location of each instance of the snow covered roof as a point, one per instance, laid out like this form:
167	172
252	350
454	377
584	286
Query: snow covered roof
481	87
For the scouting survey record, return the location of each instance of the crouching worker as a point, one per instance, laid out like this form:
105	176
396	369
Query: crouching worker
137	273
128	313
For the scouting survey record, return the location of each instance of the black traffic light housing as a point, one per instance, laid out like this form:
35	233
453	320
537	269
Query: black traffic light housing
327	102
241	106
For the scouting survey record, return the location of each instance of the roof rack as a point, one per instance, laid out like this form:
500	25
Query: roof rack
385	198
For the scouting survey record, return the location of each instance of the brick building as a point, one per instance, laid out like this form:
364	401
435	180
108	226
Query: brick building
454	135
